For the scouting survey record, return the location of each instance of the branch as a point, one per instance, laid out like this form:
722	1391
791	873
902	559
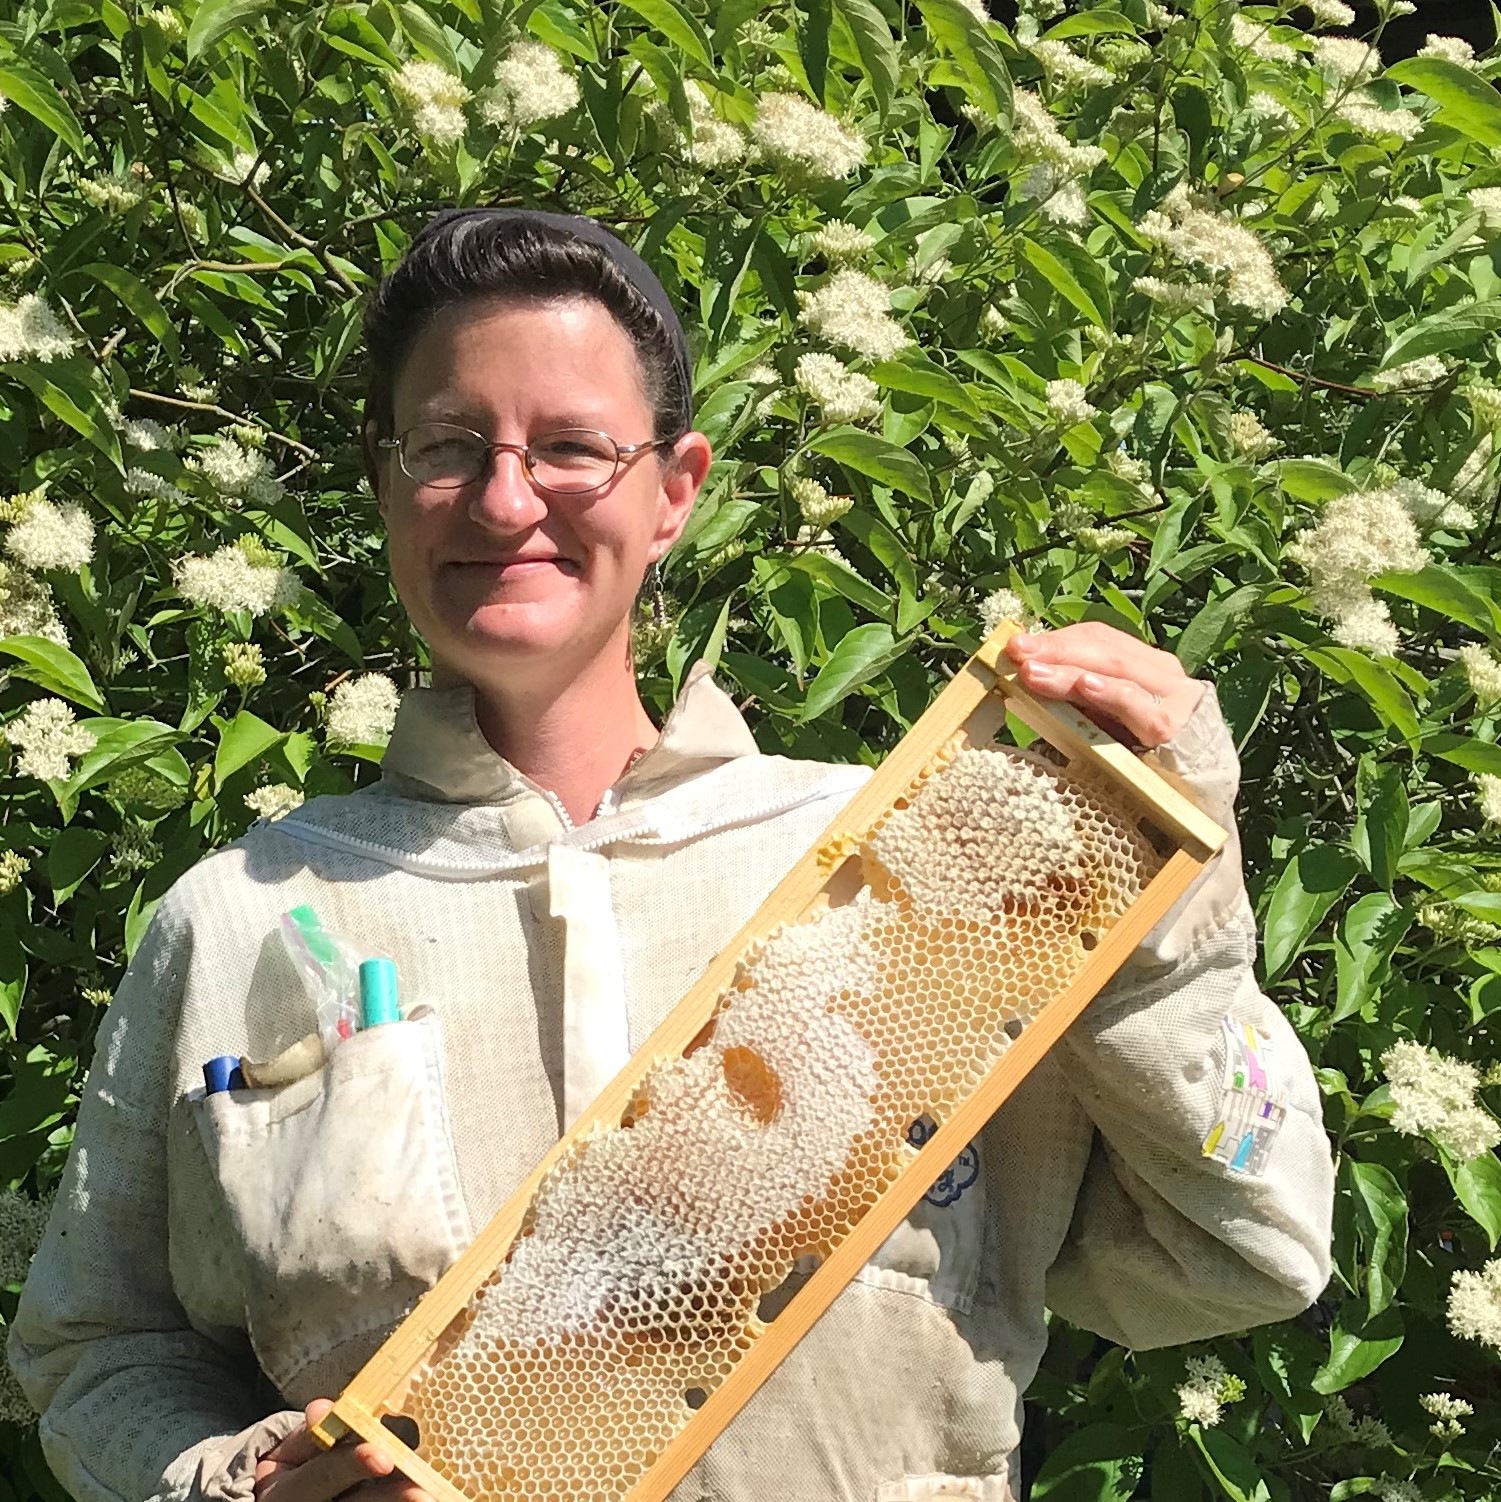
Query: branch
184	405
1311	380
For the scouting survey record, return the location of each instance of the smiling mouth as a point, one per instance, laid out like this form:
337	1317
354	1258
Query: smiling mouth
516	567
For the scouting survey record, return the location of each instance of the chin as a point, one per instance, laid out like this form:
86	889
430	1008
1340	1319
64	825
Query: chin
527	633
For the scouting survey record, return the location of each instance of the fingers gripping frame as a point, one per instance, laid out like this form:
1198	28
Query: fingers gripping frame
836	874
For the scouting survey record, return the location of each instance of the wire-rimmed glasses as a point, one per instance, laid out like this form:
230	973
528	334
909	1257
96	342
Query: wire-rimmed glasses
570	461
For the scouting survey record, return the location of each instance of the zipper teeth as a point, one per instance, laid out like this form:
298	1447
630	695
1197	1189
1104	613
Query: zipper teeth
464	870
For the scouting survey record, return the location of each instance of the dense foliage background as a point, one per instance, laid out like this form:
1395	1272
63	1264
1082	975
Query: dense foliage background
1180	317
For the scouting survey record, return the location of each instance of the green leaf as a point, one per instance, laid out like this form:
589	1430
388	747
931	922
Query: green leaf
427	35
860	655
121	744
874	457
76	391
347	30
1380	834
74	852
1477	1184
814	17
241	741
1465	100
889	550
678	25
1099	1463
1444	332
1231	1464
840	579
1313	480
1381	1226
877	48
1091	23
1376	682
963	35
1064	282
1308	887
1213	626
31	90
917	374
1364	942
215	19
138	299
1357	1346
53	668
1441	589
1466	751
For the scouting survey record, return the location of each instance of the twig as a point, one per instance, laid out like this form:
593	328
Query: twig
1311	380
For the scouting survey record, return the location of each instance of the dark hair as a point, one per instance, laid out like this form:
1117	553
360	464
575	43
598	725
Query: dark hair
467	256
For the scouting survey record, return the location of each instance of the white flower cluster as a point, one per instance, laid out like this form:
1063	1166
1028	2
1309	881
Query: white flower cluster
1447	1413
1488	789
838	240
22	1221
1209	1387
804	139
1066	68
1448	49
1218	243
27	607
273	800
48	740
1483	671
764	373
1434	1096
853	309
148	482
1362	112
1254	37
1249	438
1364	533
1103	540
1485	402
531	85
114	194
13	866
1475	1304
52	537
1069	518
237	472
1270	110
1398	1489
243	167
841	394
819	509
1068	403
1176	297
1004	605
993	324
715	143
433	97
362	711
1487	203
1430	507
1411	375
1331	12
30	330
1057	166
144	434
1346	60
231	579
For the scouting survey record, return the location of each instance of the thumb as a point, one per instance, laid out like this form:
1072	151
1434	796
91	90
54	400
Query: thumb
299	1446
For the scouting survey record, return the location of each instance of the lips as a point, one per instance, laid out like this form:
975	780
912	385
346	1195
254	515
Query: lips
519	565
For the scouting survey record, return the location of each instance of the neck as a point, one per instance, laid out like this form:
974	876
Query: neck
575	740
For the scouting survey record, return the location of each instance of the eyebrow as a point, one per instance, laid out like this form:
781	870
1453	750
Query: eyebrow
440	409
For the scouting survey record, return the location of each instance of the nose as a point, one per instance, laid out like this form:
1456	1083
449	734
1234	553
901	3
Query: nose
503	499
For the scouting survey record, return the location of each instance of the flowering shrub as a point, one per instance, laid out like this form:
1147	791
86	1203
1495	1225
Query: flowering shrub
1179	316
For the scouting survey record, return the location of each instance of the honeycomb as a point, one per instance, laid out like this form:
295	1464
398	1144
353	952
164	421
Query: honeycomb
632	1289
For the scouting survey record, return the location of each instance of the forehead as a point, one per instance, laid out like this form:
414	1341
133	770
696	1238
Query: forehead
523	358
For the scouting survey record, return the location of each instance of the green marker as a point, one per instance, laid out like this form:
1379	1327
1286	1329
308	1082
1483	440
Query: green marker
378	1001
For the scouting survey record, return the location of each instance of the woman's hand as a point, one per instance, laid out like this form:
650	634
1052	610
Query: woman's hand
299	1469
1134	691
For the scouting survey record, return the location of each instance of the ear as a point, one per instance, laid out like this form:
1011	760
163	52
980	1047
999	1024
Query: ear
374	468
683	476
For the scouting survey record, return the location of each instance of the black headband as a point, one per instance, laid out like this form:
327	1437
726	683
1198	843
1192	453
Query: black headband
636	271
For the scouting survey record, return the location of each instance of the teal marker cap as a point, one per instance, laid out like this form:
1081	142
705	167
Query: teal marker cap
378	998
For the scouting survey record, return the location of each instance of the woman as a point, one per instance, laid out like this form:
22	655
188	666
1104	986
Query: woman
549	872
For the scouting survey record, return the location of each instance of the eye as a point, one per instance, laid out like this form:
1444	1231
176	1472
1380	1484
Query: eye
573	448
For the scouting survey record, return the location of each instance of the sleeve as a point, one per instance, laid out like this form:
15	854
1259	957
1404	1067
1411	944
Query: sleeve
1181	1231
135	1404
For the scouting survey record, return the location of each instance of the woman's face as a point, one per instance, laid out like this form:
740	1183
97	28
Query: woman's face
498	574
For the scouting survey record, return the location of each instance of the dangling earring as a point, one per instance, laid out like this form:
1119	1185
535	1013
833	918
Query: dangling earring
652	584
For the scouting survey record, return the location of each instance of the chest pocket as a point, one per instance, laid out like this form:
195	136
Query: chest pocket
935	1253
342	1192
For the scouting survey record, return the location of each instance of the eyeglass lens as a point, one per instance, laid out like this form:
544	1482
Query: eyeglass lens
446	457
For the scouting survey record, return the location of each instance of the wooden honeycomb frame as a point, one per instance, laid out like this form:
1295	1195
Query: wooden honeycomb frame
973	707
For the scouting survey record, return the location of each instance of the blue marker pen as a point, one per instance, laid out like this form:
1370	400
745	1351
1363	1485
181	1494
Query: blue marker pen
378	999
222	1073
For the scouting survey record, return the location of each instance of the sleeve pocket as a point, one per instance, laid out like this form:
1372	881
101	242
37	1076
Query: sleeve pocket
342	1189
